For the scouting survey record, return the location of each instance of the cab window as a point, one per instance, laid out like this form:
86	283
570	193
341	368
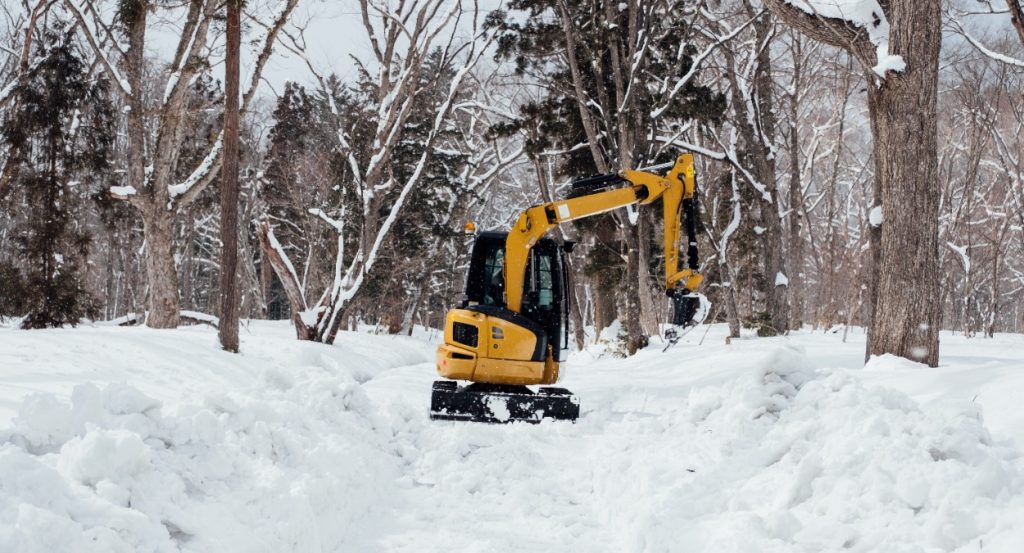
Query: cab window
545	283
494	280
539	292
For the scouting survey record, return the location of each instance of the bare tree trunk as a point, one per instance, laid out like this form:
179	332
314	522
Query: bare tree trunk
187	276
874	262
581	96
1017	17
228	328
630	293
162	275
732	316
755	118
772	239
265	282
775	271
576	311
903	119
648	310
408	316
604	311
161	272
796	200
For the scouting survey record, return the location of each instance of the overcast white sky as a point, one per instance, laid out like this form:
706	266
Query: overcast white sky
333	31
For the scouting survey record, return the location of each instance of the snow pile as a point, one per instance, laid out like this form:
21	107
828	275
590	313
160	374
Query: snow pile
290	469
788	460
866	14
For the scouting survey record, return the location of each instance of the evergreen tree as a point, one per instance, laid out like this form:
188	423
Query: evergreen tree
288	143
62	126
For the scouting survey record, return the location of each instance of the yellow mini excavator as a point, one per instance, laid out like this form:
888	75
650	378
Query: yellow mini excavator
512	327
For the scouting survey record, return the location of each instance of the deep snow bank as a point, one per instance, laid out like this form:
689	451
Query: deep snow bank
110	472
748	447
269	457
784	458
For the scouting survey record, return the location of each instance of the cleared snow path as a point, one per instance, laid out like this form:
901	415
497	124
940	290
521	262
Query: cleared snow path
155	441
483	488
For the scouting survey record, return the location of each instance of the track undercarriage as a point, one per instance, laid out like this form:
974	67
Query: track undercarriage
500	403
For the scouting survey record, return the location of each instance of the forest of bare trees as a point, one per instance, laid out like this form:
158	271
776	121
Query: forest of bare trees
845	181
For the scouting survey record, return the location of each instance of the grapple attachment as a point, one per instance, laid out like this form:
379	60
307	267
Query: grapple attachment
500	403
688	310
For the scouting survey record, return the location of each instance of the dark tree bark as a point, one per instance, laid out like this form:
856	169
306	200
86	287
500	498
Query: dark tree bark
772	239
161	273
732	317
630	304
907	312
796	199
904	123
228	329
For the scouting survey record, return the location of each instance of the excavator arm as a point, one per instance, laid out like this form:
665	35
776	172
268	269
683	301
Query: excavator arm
675	189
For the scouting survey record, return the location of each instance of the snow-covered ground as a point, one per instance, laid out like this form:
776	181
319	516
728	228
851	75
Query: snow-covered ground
129	439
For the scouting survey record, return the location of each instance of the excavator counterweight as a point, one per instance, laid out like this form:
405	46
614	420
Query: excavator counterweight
513	327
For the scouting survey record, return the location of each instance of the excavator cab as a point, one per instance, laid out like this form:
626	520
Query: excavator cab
545	294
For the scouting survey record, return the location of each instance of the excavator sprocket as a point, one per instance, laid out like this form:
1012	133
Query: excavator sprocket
499	403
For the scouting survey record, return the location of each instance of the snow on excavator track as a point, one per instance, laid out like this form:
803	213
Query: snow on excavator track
498	403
